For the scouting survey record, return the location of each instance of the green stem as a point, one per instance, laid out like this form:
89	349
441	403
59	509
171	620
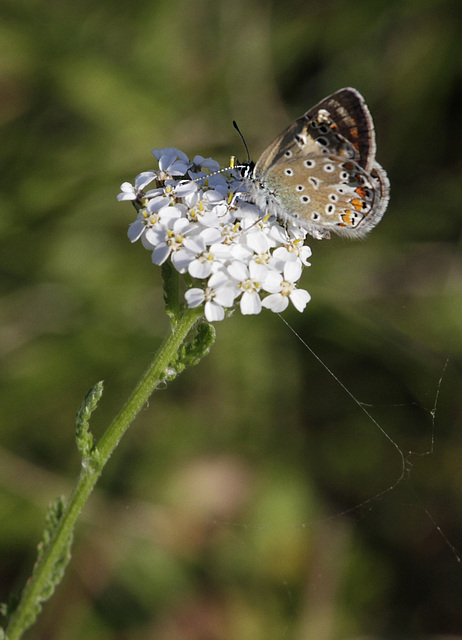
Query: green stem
26	610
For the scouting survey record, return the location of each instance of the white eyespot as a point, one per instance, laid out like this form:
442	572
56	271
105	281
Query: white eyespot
344	175
333	197
330	209
305	199
341	190
288	153
309	164
322	141
328	168
315	182
315	215
300	187
323	114
289	171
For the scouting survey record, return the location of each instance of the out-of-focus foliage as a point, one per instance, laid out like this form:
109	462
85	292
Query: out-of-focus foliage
229	510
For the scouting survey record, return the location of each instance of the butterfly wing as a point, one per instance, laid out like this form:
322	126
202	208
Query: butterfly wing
321	171
348	110
347	113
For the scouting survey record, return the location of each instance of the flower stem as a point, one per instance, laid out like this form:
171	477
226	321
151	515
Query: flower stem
29	604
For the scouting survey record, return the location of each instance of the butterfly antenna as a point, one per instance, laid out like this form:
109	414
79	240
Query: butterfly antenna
243	140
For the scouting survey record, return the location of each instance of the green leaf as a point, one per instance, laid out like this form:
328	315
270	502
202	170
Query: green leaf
83	436
192	352
52	521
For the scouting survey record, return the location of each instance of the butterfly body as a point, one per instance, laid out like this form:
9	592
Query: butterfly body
321	172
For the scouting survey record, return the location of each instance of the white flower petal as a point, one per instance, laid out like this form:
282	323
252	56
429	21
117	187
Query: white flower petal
144	179
213	196
206	163
128	192
210	235
194	297
257	240
146	244
171	151
221	251
250	303
182	259
238	270
196	244
160	253
275	302
241	252
218	279
305	253
300	298
183	226
292	270
213	311
158	203
135	230
258	271
226	296
178	168
200	269
166	160
273	282
187	188
155	235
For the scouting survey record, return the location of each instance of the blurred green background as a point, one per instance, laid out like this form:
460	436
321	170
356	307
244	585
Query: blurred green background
230	510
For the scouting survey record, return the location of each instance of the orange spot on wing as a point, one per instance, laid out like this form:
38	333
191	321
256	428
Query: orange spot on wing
348	219
355	136
358	204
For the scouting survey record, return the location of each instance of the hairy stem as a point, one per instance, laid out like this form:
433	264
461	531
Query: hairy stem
33	593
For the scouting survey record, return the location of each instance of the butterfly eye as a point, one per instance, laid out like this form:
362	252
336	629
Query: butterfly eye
344	176
322	141
330	208
299	187
289	171
288	153
328	168
333	197
323	129
309	164
305	199
315	216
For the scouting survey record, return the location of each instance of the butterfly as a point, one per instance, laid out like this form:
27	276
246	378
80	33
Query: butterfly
321	173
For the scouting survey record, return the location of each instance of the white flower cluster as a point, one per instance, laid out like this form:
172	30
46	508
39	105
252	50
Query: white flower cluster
200	221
